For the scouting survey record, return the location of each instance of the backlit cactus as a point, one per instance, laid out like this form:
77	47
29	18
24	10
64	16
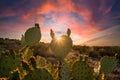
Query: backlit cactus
38	74
108	64
32	36
24	66
82	71
61	47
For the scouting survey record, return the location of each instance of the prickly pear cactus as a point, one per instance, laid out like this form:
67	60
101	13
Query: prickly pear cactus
64	71
8	64
38	74
61	47
32	36
82	71
108	64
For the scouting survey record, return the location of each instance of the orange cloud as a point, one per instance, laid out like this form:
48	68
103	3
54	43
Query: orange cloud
61	13
27	16
60	7
46	8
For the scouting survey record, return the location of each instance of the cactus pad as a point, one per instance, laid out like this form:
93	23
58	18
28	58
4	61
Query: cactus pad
32	35
68	32
108	64
64	73
38	74
61	47
8	64
82	71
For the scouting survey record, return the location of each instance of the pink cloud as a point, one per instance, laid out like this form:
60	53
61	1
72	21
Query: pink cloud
61	14
46	8
7	13
43	29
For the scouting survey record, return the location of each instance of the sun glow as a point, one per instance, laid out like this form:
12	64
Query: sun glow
59	39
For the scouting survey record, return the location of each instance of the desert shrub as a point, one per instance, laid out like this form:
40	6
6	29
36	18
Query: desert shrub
93	54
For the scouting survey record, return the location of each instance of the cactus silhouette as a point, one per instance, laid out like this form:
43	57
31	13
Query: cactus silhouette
32	36
61	47
68	32
52	34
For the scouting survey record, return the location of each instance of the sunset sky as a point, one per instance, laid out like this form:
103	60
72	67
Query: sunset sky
87	19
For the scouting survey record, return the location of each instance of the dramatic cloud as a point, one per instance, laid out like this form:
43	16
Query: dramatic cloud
84	17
